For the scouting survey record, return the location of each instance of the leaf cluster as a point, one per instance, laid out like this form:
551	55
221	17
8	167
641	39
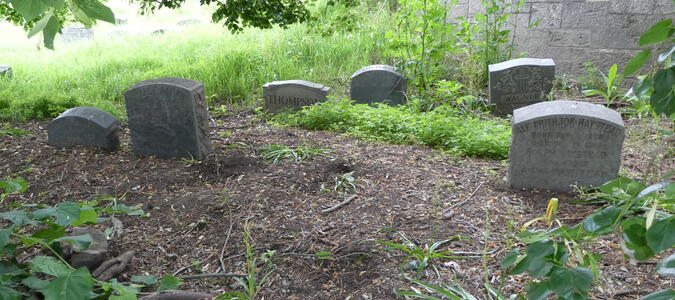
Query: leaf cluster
443	128
646	232
276	153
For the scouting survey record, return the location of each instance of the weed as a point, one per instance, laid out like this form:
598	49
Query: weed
190	161
347	183
12	131
250	283
610	89
275	153
418	257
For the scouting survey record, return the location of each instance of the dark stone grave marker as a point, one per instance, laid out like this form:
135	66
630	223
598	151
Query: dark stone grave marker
378	83
168	118
5	71
292	94
557	144
520	82
84	126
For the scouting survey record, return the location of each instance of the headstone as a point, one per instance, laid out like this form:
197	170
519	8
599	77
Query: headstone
292	94
378	83
520	82
5	71
84	126
121	21
186	22
77	34
160	31
557	144
167	118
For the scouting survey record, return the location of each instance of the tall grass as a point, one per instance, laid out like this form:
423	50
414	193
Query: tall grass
233	68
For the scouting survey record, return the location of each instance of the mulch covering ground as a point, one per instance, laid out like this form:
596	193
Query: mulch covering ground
192	206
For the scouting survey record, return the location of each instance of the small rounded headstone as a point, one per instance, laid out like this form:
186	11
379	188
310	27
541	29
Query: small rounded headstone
520	82
84	126
292	94
5	71
557	144
378	83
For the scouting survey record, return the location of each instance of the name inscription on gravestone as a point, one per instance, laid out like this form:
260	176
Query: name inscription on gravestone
378	83
168	118
84	126
558	144
292	94
520	82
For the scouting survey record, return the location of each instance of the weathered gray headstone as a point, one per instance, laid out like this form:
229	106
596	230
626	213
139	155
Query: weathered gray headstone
292	94
189	21
77	34
557	144
378	83
168	118
84	126
5	71
520	82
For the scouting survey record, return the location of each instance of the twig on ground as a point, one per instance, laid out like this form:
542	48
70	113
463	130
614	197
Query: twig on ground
464	201
341	204
188	266
212	275
222	250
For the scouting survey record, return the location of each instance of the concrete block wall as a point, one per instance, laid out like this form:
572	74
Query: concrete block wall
573	32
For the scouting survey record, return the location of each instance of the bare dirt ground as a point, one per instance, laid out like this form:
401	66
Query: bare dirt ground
425	194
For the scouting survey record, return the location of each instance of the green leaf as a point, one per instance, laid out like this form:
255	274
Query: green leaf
662	100
4	236
82	241
601	221
634	234
665	54
565	282
622	185
510	258
48	265
75	285
538	290
530	237
35	283
29	9
48	235
50	32
65	213
96	10
7	293
660	236
636	63
611	75
144	279
12	185
643	87
593	92
40	25
666	267
660	295
124	296
169	282
658	33
87	216
19	217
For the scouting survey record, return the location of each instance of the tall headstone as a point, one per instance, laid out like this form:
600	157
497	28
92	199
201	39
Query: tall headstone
378	83
84	126
5	71
77	34
168	118
520	82
557	144
292	94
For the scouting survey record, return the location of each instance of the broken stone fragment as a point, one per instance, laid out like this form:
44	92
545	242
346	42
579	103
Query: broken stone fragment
94	255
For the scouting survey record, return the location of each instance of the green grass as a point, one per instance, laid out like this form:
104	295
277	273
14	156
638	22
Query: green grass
233	68
443	128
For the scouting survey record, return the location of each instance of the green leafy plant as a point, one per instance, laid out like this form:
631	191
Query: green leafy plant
275	153
611	91
657	84
6	130
348	183
252	283
12	185
559	259
418	257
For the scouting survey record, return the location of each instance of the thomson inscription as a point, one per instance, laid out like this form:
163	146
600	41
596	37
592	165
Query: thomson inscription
293	94
557	144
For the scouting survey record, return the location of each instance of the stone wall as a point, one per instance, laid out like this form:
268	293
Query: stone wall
573	32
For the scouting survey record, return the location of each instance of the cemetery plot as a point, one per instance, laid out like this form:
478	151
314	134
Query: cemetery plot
192	204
